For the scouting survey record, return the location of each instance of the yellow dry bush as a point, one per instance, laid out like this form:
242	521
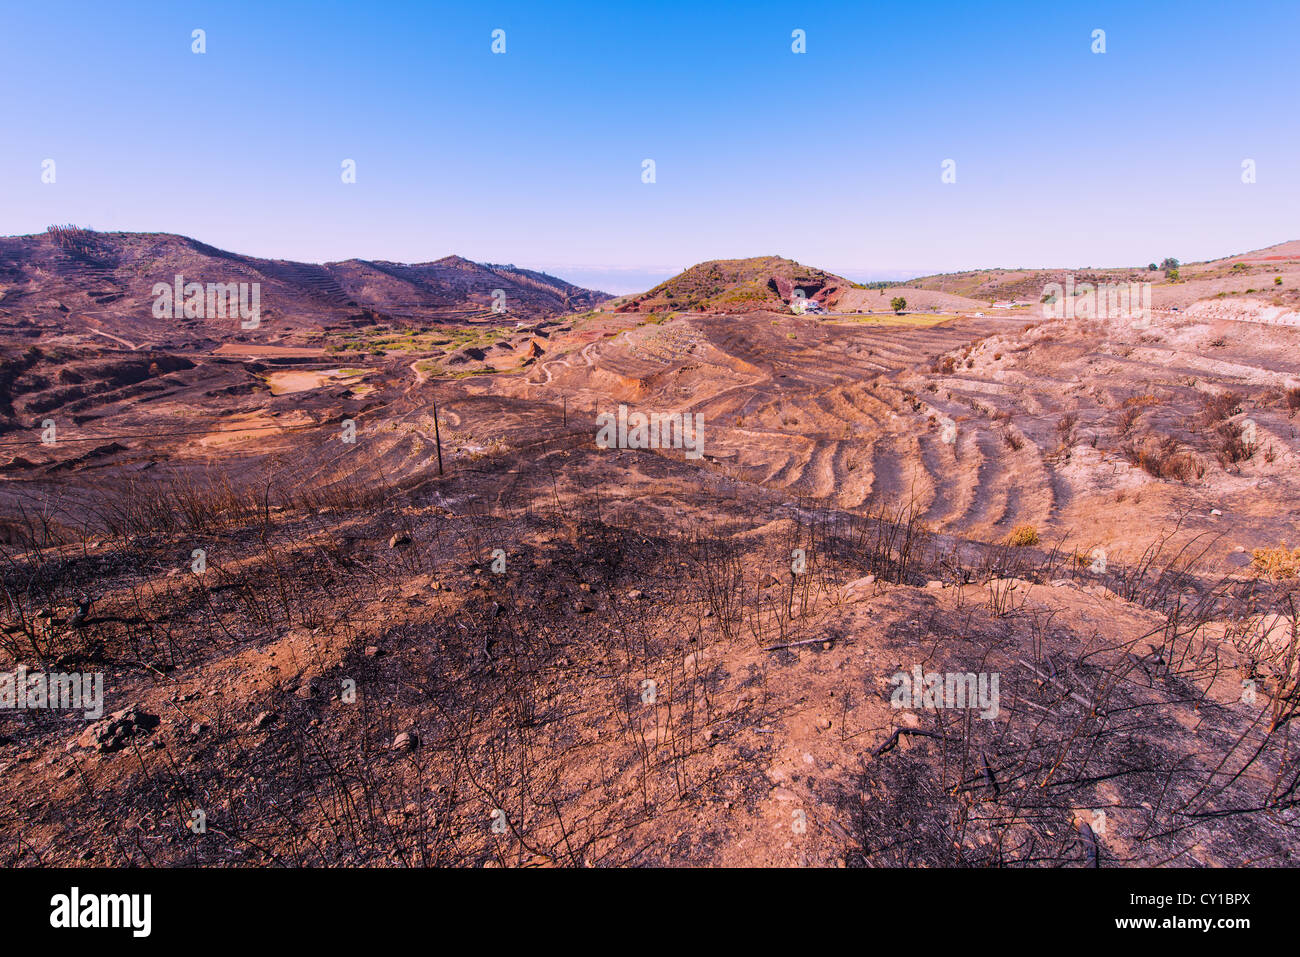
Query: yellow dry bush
1023	535
1277	562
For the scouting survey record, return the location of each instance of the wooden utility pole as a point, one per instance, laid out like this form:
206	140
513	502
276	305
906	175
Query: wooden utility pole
437	436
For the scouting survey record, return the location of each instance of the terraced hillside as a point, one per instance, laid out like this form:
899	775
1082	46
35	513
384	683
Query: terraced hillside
983	424
71	281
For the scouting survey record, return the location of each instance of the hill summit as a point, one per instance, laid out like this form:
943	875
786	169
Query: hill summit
739	285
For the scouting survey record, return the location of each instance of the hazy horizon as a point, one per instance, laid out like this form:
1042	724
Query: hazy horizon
624	280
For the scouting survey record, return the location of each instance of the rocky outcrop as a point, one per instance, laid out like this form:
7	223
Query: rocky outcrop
117	730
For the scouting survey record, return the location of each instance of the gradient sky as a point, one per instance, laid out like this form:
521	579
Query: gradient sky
1064	157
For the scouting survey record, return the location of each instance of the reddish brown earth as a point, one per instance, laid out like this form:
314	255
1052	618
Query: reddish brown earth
502	714
72	282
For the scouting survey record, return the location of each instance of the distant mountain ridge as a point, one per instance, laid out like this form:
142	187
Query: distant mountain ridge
109	277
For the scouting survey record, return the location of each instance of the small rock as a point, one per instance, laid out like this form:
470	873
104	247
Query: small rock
634	594
372	651
401	538
1215	511
406	741
263	719
859	589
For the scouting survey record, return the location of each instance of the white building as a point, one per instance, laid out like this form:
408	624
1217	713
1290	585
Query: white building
801	306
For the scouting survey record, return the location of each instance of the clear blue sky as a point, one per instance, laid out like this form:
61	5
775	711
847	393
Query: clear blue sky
832	157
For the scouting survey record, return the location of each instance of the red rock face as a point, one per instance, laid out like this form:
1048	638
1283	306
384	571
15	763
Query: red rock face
782	287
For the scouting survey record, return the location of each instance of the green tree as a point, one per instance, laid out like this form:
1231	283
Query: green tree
898	304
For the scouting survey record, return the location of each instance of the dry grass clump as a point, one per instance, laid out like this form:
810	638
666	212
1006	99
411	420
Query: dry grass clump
1065	425
1277	562
1129	418
1233	447
1140	401
1216	408
1023	535
1167	460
